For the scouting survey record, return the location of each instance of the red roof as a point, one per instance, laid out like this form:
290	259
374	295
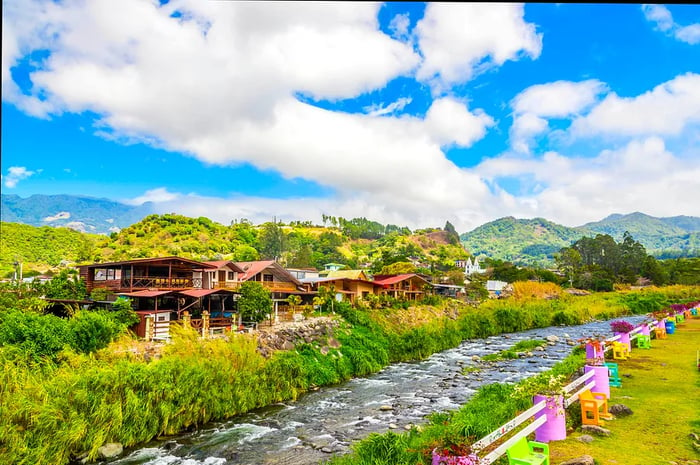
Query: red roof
223	263
203	292
150	260
386	280
145	293
251	269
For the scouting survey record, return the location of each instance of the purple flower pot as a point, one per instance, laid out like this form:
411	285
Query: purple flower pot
554	429
601	379
625	339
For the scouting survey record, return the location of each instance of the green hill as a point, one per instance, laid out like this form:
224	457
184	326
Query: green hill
43	248
521	241
357	243
662	237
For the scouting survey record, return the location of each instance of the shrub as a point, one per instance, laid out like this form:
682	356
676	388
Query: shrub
92	331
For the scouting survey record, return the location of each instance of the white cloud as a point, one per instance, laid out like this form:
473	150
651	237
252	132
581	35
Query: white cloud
560	99
449	121
641	176
15	174
663	20
659	15
159	195
458	40
378	110
399	26
689	34
667	109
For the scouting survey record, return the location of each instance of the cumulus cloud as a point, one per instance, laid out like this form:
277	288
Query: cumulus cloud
667	109
641	176
459	40
15	174
560	99
663	21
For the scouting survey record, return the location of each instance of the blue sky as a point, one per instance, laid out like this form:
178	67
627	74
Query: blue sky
404	113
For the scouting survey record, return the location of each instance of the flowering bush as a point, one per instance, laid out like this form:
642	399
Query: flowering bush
456	454
621	326
540	384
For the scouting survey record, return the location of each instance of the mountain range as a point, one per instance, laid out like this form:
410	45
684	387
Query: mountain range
85	214
521	241
534	241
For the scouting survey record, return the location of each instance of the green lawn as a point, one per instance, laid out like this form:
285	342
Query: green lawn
662	387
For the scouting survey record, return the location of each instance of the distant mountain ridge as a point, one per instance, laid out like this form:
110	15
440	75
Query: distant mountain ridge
85	214
534	241
523	241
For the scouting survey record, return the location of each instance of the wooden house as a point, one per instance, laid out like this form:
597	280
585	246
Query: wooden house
409	286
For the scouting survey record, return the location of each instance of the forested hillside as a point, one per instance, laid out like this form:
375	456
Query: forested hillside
531	242
43	248
355	243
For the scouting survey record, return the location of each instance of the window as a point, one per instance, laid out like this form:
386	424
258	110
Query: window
100	274
268	278
231	275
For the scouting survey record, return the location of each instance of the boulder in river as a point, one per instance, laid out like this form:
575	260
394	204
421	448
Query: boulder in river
110	450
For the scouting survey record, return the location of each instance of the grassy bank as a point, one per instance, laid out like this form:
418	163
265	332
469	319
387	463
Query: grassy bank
662	387
57	408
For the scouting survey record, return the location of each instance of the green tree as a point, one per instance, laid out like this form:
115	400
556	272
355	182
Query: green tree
255	302
272	241
569	262
398	268
452	235
65	285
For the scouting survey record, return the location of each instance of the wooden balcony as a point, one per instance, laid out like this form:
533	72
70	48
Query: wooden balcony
272	286
158	282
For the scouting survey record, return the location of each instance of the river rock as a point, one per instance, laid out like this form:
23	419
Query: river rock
620	410
393	426
552	338
386	408
583	460
109	450
287	345
595	430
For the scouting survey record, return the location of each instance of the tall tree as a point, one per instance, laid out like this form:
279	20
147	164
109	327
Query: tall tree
255	302
272	241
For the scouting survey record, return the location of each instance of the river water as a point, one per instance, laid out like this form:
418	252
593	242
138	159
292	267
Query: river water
325	422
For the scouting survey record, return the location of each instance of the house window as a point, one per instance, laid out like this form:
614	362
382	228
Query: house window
100	274
268	278
231	275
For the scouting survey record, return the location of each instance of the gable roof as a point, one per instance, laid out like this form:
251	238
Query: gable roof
251	269
386	280
351	274
226	263
146	261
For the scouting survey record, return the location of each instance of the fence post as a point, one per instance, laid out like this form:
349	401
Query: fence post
601	378
148	332
554	429
186	318
205	323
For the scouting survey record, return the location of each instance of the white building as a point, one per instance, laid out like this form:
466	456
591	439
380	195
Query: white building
470	267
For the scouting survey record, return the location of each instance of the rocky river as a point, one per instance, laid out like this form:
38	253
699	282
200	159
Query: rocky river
325	422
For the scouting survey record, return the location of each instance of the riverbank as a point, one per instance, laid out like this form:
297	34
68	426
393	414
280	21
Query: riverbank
53	412
662	387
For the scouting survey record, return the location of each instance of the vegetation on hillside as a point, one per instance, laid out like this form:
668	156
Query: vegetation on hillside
41	248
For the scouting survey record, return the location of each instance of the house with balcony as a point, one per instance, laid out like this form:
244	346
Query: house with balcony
344	287
162	289
224	276
280	282
409	286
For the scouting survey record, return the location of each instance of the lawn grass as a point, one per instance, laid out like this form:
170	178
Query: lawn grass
662	387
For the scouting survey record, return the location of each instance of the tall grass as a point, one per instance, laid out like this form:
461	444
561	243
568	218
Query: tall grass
53	408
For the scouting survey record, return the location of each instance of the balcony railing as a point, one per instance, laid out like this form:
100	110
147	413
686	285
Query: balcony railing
272	286
150	282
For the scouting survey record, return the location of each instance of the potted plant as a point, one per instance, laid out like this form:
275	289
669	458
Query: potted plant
622	328
595	350
549	388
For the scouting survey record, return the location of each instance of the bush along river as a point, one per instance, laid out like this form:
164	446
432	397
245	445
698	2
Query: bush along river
325	422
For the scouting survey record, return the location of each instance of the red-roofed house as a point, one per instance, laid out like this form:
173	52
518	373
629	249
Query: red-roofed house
408	286
226	275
